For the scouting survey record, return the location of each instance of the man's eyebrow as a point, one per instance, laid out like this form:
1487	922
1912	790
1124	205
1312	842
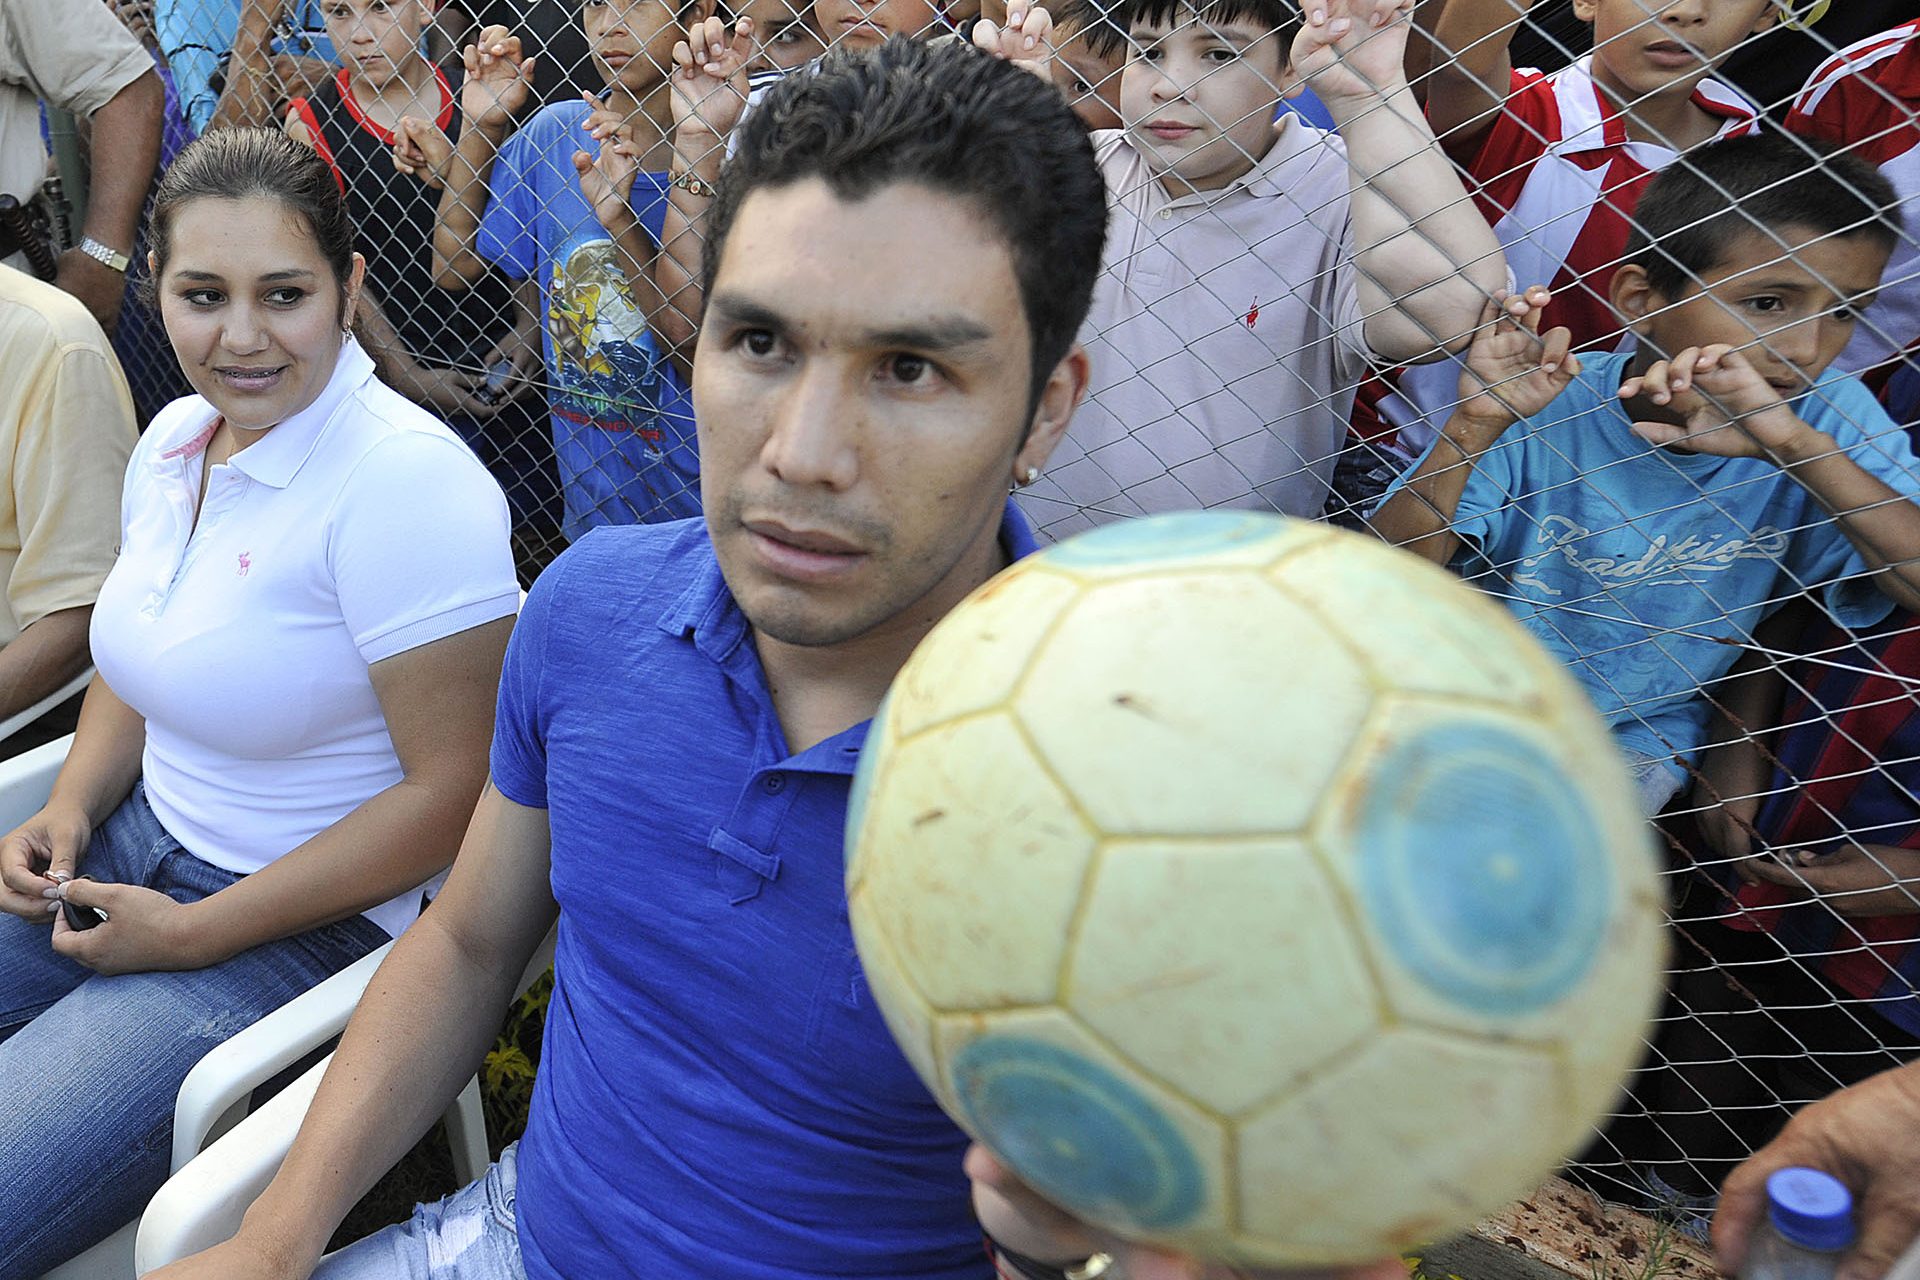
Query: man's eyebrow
934	334
939	333
745	311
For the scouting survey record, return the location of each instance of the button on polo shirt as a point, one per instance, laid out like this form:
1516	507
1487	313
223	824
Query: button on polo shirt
357	529
718	1095
1225	340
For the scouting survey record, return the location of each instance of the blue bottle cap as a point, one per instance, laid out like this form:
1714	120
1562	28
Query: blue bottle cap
1810	1208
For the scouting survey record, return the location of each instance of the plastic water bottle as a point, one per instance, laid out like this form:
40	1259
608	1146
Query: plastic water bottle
1809	1225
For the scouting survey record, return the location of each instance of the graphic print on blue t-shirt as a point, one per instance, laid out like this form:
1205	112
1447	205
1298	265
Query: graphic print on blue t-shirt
622	417
1645	570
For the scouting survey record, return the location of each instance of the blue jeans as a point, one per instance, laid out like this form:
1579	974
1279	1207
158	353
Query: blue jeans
470	1235
90	1064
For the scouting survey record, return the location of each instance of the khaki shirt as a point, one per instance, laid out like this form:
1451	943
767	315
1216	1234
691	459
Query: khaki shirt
74	54
1225	341
66	432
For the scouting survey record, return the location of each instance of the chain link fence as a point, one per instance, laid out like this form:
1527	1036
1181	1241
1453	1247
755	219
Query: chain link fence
1725	616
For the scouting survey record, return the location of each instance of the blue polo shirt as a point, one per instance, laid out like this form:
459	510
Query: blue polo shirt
718	1095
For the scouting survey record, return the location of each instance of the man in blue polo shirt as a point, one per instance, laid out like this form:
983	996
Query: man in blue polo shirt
901	254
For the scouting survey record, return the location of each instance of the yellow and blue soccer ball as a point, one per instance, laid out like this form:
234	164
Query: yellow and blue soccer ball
1254	888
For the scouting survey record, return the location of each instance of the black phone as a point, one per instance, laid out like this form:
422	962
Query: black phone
79	917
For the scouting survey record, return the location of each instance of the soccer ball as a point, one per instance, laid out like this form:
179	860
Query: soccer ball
1254	888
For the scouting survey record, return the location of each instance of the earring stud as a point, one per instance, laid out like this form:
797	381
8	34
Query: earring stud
1033	473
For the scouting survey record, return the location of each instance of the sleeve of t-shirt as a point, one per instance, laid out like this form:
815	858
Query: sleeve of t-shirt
76	56
418	545
69	465
1821	110
1486	504
508	237
1520	135
1821	556
192	35
649	201
1348	321
518	760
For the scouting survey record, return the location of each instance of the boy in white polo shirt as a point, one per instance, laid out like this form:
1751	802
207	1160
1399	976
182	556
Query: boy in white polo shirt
1244	291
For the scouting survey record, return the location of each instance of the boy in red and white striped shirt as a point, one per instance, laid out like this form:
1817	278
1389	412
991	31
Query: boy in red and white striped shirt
1866	98
1560	160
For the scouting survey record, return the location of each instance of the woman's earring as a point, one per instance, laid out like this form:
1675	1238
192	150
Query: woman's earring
1033	473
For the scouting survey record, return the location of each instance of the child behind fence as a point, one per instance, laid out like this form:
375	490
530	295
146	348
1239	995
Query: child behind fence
1243	291
1559	161
1867	98
1642	514
1796	968
433	346
575	200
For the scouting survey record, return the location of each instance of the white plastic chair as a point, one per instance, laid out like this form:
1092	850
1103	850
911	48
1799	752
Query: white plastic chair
217	1092
203	1202
27	715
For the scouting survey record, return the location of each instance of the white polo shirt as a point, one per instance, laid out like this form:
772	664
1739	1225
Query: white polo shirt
1225	339
355	530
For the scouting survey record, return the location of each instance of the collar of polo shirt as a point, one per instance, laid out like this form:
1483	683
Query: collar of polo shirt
276	458
1590	123
1266	178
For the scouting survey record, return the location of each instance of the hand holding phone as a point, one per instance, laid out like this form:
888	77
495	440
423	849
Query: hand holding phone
79	917
494	389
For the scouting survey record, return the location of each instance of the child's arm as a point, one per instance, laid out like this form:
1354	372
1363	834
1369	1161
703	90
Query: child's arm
606	182
249	95
1426	258
432	386
709	97
1734	767
1470	80
1422	51
1854	880
499	82
1512	373
1716	402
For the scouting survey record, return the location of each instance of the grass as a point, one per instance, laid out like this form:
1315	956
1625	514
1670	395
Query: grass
1655	1261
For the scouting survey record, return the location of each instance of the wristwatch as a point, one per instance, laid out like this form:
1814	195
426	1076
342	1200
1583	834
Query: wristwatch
102	254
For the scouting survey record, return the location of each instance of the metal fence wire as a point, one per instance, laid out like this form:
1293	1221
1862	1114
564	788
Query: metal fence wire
1716	608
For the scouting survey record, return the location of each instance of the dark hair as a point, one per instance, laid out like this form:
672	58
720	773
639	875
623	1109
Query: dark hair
242	164
1763	182
949	118
1101	23
1282	17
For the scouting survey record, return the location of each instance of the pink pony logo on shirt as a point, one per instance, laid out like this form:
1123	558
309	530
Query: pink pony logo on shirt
246	563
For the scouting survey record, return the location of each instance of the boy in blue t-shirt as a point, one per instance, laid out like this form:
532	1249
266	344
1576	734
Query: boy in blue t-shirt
571	205
1642	511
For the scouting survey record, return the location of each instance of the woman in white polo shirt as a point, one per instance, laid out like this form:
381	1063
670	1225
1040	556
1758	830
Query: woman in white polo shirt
298	651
